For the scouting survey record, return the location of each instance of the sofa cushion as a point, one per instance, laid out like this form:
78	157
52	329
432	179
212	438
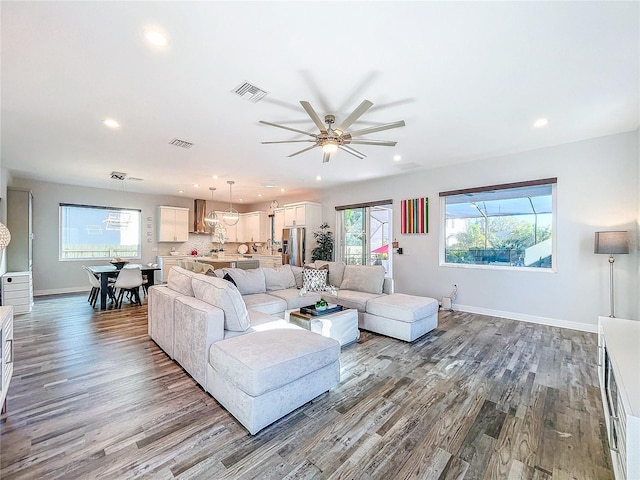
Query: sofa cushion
368	279
314	280
351	299
402	307
336	271
297	274
267	360
224	295
294	299
248	281
279	278
265	303
180	281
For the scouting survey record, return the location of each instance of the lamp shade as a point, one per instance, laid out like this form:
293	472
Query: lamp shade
612	242
5	236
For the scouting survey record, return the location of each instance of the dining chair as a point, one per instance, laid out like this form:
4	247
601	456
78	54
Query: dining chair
95	286
129	280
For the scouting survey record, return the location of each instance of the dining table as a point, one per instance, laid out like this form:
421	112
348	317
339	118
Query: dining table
104	272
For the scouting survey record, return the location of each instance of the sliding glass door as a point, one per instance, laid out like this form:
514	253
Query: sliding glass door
364	235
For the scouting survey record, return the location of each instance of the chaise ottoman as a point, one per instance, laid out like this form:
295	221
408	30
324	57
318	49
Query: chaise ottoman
401	316
262	376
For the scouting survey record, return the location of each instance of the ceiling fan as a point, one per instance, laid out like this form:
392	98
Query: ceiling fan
331	139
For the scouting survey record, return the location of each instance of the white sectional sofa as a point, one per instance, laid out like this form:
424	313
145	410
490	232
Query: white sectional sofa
202	321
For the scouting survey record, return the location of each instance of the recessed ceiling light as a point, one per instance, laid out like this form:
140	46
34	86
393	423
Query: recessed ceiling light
282	189
318	178
156	38
541	122
397	158
269	185
196	185
240	200
180	191
215	177
259	194
111	123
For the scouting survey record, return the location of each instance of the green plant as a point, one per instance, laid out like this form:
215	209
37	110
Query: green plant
324	241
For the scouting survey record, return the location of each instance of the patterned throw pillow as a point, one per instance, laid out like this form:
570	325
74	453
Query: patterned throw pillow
314	280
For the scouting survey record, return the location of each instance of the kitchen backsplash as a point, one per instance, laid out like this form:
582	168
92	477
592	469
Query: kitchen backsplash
203	245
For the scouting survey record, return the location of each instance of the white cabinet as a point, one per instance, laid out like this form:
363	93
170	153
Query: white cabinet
303	214
17	290
6	352
278	225
173	224
618	360
254	227
165	263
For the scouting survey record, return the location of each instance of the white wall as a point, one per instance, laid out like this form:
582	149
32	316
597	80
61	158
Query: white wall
597	189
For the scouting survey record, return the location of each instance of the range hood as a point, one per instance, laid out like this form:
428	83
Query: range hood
199	214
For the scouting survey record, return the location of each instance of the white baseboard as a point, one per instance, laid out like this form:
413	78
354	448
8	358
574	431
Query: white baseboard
58	291
553	322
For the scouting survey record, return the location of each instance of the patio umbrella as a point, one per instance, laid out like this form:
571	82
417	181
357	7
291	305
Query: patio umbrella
382	249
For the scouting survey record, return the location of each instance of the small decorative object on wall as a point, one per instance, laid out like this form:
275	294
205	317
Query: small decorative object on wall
414	215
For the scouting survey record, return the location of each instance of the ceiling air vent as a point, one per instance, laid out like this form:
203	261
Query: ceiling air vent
118	175
250	92
181	143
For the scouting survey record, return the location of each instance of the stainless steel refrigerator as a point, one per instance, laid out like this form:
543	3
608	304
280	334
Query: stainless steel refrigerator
293	249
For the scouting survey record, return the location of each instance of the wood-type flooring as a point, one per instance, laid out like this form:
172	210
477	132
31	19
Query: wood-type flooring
478	398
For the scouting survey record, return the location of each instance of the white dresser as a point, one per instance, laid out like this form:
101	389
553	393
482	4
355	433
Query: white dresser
17	290
619	375
6	352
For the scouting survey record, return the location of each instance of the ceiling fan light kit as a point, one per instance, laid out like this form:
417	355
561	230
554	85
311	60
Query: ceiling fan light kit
331	140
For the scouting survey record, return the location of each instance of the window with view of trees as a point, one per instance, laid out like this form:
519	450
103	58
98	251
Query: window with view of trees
91	232
503	225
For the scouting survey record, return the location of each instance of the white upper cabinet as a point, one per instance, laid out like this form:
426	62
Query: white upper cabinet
303	214
255	227
278	224
173	224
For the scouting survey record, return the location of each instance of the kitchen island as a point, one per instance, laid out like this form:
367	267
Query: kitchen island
232	261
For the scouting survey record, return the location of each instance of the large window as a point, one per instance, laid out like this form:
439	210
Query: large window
364	233
502	225
90	232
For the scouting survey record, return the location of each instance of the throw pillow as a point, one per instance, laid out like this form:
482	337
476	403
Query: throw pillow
279	278
336	271
297	274
248	281
367	279
314	280
227	277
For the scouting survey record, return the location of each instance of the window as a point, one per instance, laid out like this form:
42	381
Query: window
502	225
89	232
364	233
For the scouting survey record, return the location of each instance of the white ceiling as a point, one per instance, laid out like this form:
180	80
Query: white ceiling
469	79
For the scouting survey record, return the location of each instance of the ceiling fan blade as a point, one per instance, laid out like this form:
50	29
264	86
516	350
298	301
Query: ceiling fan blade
379	128
352	151
382	143
302	151
314	116
346	123
288	128
325	157
288	141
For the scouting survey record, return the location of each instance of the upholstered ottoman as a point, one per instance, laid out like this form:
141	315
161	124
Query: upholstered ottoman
401	316
262	376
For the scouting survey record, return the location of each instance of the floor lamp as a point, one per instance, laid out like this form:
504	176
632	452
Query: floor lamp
611	243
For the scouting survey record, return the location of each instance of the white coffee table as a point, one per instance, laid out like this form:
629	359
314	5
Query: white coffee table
341	326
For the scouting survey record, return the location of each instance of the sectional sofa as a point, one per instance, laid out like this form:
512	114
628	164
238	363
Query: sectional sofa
231	335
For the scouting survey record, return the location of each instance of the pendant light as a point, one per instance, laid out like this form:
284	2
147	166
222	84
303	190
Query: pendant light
211	220
231	216
5	237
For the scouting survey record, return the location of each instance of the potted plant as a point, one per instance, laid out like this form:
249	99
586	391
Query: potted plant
324	244
321	305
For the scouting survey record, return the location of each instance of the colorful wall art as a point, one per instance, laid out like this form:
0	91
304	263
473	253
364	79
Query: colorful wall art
414	215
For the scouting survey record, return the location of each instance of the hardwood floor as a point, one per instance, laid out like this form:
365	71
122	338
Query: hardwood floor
480	397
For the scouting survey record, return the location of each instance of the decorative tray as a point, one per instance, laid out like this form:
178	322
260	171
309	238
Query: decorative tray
311	310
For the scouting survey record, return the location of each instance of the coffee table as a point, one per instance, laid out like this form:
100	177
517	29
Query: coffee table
341	326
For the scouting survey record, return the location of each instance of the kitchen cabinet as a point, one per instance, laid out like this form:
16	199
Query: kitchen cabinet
618	360
278	225
6	353
173	224
253	227
17	290
303	214
166	262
